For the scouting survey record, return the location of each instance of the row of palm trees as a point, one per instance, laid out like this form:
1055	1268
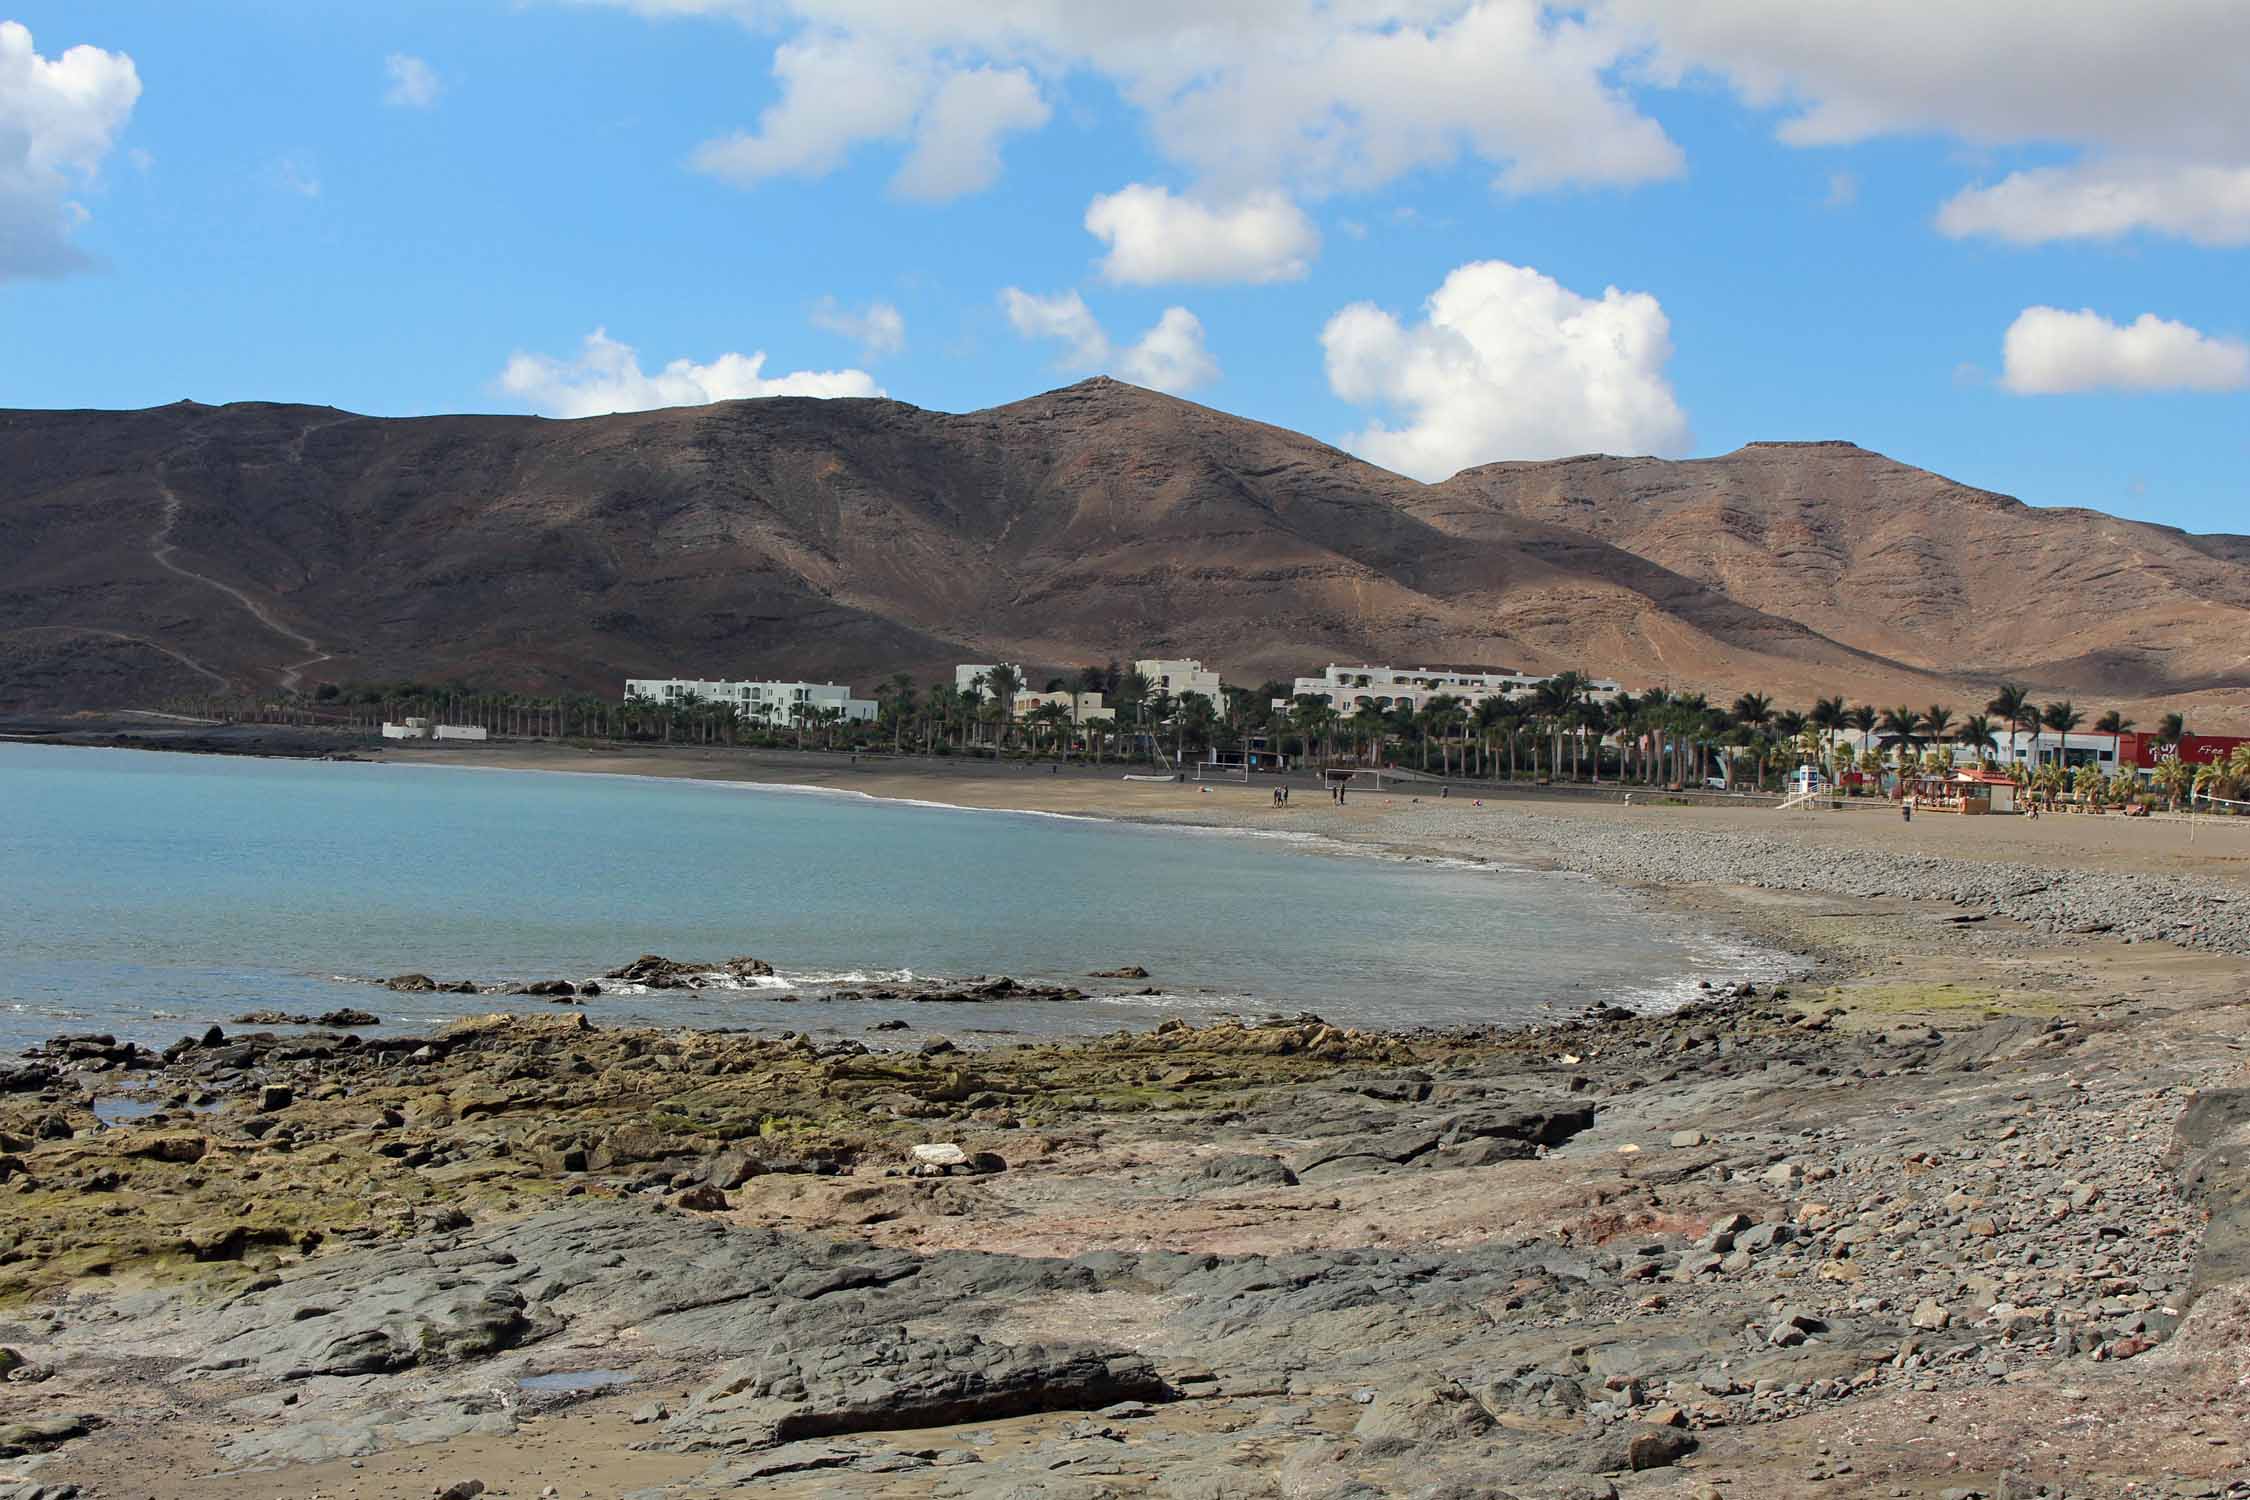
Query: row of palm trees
1557	729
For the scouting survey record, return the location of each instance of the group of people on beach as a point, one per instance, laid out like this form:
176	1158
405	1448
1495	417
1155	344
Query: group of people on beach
1335	794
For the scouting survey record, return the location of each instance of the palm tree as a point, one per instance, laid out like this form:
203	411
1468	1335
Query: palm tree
1133	691
946	705
1860	719
1593	721
2112	722
1437	720
1900	731
1367	727
1192	722
2176	779
1937	722
1496	714
1790	731
1551	702
2061	717
2171	729
1312	718
1689	719
1053	718
1754	710
898	701
2011	704
1827	717
1976	734
1003	682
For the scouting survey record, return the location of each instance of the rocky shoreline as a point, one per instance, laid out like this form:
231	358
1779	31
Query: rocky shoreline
1970	1220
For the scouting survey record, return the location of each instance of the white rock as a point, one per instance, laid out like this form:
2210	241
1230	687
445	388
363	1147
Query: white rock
940	1154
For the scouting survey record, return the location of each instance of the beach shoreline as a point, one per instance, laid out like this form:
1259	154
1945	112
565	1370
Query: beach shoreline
2215	847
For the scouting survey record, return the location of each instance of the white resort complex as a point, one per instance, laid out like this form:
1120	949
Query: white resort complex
779	704
1348	688
1166	675
1345	689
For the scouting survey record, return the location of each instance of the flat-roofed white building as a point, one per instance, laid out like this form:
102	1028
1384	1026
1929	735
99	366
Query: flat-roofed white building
1184	675
973	677
1347	689
1083	708
771	703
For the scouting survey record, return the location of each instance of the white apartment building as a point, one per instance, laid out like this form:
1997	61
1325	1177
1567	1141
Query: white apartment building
1347	689
972	676
771	703
1083	708
1181	676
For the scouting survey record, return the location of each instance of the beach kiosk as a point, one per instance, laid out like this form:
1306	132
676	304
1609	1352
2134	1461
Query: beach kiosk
1983	791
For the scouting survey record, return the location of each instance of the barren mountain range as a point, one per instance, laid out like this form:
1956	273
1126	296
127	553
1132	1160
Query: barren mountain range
145	554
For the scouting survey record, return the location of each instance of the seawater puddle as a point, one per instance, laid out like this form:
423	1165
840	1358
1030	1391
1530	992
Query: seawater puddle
114	1110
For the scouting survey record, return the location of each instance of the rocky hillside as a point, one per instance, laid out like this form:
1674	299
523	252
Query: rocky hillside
144	553
1902	563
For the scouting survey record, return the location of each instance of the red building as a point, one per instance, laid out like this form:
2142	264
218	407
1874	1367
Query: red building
2149	752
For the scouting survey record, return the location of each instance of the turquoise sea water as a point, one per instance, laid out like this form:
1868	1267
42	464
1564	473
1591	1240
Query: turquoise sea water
149	895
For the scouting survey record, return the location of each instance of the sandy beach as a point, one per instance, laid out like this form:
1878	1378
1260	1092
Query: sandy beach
1411	815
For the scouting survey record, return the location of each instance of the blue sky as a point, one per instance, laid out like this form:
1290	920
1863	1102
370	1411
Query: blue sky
1393	224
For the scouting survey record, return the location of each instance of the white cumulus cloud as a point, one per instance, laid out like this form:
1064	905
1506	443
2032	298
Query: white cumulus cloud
413	82
839	92
2209	205
59	118
2049	351
607	376
957	136
2149	92
1170	356
878	328
1155	236
1506	363
1064	317
1320	95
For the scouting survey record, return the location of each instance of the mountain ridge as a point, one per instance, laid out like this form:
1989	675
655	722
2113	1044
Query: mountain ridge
145	553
